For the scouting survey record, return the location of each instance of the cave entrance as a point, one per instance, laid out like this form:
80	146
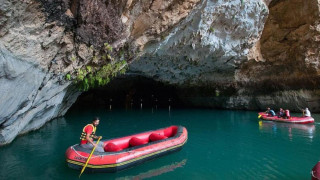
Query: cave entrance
130	93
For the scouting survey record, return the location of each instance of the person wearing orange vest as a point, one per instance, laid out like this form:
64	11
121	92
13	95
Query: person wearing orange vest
88	134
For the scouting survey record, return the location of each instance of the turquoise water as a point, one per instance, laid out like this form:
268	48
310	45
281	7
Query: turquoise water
221	145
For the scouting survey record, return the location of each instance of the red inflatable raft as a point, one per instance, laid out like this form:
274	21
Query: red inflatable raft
125	152
297	120
315	173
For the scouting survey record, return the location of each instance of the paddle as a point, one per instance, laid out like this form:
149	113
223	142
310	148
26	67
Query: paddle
84	167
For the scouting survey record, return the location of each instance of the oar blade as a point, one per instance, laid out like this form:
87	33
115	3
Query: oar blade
84	167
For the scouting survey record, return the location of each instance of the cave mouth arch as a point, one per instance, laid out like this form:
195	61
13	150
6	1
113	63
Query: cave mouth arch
129	92
282	46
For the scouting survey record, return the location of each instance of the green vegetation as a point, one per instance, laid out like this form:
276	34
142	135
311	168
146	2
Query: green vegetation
100	71
68	77
217	92
103	57
73	58
109	57
211	29
87	78
89	69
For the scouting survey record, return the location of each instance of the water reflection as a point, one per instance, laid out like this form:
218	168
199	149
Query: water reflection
155	172
305	130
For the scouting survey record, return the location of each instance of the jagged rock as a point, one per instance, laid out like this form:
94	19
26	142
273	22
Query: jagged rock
33	90
217	53
186	42
284	66
31	96
207	47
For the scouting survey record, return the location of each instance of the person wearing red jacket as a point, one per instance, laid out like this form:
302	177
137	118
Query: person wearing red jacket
88	134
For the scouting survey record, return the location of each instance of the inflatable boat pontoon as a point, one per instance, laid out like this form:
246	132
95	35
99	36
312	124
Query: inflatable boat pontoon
125	152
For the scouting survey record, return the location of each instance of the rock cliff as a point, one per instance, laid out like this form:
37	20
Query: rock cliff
42	41
217	53
32	90
237	61
283	68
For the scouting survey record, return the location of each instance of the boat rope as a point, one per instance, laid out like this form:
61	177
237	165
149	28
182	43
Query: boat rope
84	156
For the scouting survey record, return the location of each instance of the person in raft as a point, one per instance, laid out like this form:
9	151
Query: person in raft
287	114
281	113
306	112
88	134
270	112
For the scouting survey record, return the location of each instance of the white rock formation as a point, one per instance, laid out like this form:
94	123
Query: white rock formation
207	46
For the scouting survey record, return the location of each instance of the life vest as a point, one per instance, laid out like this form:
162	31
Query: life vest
84	134
287	113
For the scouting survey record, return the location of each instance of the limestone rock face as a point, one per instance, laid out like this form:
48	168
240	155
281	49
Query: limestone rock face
284	65
202	55
207	46
99	21
31	91
241	54
228	61
41	41
189	43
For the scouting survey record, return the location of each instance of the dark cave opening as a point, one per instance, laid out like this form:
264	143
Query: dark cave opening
133	92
